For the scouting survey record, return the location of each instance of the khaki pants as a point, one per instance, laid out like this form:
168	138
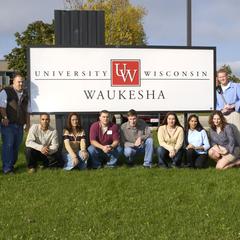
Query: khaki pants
229	157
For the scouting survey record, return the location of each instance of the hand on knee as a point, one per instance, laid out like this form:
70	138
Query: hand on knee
213	154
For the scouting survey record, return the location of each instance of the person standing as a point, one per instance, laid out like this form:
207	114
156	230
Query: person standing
104	139
41	144
228	101
14	115
136	139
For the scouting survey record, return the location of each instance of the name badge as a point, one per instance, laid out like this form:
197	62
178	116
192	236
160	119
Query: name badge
109	132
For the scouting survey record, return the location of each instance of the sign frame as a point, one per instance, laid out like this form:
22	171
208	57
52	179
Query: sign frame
213	49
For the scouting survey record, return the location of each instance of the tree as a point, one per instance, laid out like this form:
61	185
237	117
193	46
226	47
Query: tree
37	33
231	76
123	21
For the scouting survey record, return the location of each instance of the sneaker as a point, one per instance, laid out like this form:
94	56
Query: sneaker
147	166
110	166
173	165
8	173
130	164
31	170
162	166
41	167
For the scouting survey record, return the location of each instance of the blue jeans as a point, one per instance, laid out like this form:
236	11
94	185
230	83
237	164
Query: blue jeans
146	148
163	157
12	136
97	155
68	161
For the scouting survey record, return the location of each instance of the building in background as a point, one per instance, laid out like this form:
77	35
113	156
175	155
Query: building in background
5	73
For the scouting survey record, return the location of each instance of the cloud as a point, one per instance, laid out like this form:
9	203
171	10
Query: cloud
214	22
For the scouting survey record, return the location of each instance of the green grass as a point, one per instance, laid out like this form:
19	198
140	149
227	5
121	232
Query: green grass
122	203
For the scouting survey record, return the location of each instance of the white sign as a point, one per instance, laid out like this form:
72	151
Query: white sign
119	79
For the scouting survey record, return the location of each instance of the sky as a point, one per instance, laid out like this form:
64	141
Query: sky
214	23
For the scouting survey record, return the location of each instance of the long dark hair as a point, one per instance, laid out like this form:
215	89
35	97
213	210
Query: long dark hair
223	120
69	124
177	123
199	126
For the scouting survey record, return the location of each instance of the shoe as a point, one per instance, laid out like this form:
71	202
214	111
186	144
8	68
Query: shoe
8	173
147	166
41	167
110	166
98	167
31	170
130	164
162	166
173	165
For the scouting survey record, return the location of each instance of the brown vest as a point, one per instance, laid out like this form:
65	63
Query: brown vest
16	108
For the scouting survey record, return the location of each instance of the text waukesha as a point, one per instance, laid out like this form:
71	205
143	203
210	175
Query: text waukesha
123	94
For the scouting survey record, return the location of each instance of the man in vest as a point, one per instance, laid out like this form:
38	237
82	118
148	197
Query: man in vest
14	115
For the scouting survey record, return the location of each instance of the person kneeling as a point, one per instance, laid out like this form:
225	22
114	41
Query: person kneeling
136	138
41	144
225	150
104	139
75	154
170	138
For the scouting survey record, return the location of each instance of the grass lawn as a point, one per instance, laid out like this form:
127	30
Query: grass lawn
122	203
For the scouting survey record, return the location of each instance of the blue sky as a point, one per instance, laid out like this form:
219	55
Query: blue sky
214	23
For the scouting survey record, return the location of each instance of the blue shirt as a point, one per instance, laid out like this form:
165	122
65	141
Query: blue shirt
231	95
198	139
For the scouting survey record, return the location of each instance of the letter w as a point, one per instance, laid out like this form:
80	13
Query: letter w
89	93
125	73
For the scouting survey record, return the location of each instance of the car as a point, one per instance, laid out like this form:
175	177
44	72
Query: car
152	120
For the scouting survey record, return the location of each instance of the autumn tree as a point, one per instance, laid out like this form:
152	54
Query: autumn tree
37	33
123	21
123	26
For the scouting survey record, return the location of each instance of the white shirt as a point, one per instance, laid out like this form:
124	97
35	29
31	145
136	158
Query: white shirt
37	138
225	87
199	139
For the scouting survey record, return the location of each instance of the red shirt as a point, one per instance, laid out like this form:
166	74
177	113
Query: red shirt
112	133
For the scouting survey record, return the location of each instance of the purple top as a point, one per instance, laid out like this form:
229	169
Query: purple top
112	133
225	138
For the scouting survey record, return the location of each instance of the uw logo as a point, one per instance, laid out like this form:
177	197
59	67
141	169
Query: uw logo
125	72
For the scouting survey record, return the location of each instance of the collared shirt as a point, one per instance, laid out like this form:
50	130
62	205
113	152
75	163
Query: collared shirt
37	138
225	138
107	138
130	134
225	87
231	95
198	139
